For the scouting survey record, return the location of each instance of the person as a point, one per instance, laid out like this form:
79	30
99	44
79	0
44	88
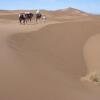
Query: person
22	17
37	11
44	18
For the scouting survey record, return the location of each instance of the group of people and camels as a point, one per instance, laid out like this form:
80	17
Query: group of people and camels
27	17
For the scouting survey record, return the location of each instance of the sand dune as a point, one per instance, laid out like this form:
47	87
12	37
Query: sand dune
68	12
47	60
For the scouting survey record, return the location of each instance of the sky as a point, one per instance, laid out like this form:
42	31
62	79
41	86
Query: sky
91	6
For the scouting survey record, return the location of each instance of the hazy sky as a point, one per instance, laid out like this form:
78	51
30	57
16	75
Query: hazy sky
92	6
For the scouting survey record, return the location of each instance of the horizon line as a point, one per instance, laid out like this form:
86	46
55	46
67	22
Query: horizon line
52	10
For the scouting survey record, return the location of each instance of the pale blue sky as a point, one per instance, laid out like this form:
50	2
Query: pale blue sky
92	6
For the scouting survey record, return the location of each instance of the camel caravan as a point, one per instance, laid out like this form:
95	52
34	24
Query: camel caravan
27	17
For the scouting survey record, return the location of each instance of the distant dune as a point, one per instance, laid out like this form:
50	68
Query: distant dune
48	61
57	15
70	12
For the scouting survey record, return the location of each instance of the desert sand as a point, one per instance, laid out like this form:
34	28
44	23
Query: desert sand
48	61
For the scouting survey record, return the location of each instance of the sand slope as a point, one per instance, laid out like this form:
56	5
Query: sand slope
46	61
